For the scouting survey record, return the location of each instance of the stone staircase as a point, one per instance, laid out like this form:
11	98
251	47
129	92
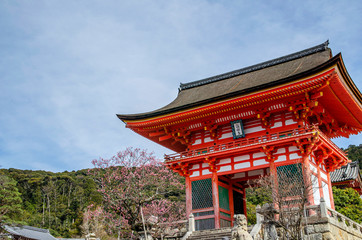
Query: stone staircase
211	234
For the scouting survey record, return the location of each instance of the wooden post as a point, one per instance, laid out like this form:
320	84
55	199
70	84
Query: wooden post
215	198
274	176
307	180
273	172
321	195
330	191
188	191
244	203
231	202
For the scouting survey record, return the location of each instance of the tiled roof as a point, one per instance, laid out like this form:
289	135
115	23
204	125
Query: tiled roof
319	48
245	80
345	173
30	232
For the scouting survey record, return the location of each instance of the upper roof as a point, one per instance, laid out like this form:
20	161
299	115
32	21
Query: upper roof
30	232
345	173
242	81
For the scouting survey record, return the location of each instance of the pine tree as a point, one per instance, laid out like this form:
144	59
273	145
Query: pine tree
10	200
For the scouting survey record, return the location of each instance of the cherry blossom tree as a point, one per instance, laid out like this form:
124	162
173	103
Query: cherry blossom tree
133	184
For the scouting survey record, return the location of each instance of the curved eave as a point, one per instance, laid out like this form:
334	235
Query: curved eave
352	86
336	60
343	99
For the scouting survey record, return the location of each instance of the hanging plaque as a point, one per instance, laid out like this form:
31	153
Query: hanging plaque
238	129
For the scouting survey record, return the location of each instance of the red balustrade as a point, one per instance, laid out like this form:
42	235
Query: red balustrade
242	142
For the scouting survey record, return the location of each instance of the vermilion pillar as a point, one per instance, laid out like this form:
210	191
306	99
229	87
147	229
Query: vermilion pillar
215	198
273	171
188	191
320	180
231	202
330	190
307	178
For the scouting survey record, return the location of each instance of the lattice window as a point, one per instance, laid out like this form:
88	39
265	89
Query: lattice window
224	223
290	177
200	214
224	198
204	224
201	194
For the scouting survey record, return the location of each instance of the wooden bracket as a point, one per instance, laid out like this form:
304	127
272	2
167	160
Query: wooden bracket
213	129
264	117
269	151
212	163
181	168
308	145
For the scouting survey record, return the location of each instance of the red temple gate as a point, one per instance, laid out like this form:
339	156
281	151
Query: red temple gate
276	116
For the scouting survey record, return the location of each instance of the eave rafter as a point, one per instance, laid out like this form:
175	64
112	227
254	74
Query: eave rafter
309	110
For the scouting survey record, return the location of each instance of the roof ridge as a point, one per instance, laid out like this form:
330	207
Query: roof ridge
35	228
287	58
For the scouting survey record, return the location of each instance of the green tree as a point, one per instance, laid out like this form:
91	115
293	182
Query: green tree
348	202
10	200
354	153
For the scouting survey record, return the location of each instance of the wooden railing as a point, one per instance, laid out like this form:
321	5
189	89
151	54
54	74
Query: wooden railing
240	143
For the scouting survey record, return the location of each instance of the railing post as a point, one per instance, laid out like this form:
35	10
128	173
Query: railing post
259	217
323	207
191	223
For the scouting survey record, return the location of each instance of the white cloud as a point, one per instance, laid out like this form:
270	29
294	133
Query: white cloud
69	67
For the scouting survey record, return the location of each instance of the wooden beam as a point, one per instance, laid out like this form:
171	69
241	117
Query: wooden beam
163	138
156	134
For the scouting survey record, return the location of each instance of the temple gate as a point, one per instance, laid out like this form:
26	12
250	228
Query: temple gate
274	117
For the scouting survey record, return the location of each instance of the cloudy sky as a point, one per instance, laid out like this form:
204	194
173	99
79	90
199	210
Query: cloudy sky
68	67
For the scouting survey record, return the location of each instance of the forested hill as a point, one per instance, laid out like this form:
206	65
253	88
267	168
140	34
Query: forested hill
49	200
355	153
57	201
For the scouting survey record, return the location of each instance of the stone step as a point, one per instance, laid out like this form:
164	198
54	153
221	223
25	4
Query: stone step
212	234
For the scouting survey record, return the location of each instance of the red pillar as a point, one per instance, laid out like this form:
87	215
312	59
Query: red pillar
307	178
274	176
215	198
231	201
244	203
188	191
273	172
330	190
320	181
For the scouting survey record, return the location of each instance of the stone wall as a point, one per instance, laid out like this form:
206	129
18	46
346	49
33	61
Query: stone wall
330	228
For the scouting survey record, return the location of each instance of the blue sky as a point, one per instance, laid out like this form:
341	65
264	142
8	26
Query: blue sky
68	67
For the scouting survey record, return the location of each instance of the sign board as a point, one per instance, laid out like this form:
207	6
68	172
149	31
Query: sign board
238	129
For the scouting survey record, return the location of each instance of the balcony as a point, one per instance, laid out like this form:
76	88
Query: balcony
246	143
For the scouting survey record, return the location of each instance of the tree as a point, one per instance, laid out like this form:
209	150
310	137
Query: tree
354	153
54	200
10	200
287	195
348	202
93	221
131	182
163	216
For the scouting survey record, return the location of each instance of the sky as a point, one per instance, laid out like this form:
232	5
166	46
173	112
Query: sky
68	67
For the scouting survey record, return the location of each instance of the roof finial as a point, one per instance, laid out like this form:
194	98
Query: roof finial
326	43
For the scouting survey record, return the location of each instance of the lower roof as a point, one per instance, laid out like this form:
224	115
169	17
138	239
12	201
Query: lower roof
29	232
346	173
